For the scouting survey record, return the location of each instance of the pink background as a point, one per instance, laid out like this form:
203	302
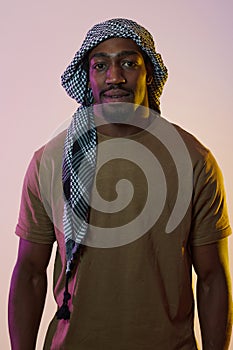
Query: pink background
38	41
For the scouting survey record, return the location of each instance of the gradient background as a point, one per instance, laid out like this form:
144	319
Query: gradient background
38	41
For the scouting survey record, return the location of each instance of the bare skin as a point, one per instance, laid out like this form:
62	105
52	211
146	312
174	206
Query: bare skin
29	285
119	74
27	294
214	300
118	79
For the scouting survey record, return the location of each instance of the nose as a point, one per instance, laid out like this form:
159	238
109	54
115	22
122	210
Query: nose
115	75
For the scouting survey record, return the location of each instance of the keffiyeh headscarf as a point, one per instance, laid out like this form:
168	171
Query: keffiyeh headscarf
80	145
75	78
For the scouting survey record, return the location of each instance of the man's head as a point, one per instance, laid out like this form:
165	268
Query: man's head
118	78
118	73
75	79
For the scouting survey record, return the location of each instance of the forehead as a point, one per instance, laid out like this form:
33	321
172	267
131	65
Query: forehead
114	46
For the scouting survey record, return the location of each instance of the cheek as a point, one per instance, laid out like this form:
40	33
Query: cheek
95	82
93	86
141	85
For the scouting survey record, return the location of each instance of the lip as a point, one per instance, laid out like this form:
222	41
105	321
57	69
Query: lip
116	95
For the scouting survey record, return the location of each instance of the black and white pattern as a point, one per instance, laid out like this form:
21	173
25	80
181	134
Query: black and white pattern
75	77
79	158
77	175
80	145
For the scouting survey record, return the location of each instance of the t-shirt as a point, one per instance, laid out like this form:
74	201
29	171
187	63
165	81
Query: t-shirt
131	286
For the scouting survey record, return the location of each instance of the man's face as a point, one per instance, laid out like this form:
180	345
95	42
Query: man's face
117	73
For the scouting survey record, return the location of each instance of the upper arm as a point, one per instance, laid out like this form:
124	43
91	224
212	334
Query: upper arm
210	221
36	222
33	257
211	259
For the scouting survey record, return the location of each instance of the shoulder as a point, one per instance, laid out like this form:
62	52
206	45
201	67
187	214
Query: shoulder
210	221
45	162
42	193
50	154
52	149
196	148
201	156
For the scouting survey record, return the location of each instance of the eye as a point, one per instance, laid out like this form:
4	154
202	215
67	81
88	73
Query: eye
99	66
129	64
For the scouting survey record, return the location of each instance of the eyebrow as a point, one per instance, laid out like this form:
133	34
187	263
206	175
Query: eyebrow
118	54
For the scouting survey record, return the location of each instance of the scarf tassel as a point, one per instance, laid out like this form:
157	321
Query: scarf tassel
63	313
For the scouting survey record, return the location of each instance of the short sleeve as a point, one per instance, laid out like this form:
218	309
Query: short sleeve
210	221
34	223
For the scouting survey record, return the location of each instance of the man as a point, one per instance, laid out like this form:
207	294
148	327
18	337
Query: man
122	275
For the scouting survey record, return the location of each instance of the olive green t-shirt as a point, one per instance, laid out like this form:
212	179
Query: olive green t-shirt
132	285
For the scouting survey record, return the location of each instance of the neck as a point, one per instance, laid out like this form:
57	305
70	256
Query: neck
118	130
121	122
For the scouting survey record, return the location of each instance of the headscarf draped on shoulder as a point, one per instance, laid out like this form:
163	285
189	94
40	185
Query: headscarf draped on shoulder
79	157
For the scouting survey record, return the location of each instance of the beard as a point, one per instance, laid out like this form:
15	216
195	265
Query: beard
116	112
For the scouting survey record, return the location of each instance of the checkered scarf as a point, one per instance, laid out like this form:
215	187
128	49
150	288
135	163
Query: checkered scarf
80	145
77	176
75	77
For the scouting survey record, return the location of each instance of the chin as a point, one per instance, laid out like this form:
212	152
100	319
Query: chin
116	112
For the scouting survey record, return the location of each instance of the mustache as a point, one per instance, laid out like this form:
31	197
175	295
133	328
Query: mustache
115	87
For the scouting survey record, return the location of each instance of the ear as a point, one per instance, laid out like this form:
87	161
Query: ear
149	70
149	80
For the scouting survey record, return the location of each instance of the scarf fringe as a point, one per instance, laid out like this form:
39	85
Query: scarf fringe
63	313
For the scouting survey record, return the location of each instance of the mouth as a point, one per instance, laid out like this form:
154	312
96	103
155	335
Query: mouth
116	95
